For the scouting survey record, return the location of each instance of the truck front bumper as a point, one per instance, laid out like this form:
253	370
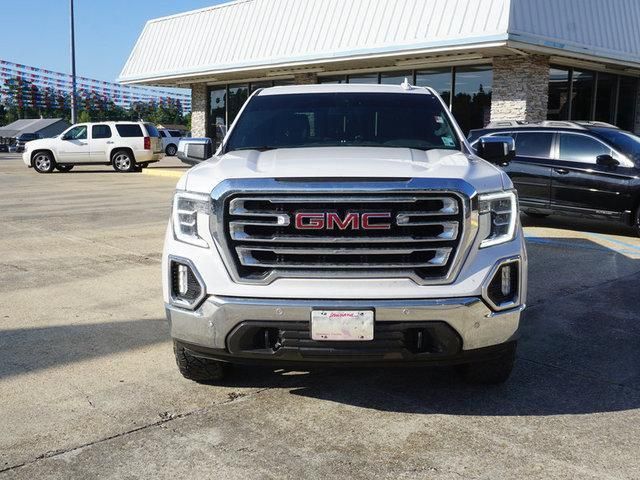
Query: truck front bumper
439	331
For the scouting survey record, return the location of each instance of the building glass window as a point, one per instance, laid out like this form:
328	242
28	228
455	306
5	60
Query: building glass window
217	114
333	79
606	94
558	104
627	103
364	78
472	96
582	95
256	85
439	79
238	94
396	78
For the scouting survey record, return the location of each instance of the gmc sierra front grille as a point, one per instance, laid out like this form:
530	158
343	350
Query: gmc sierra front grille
335	235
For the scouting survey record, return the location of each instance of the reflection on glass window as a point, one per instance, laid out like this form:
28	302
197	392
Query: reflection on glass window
627	103
580	148
534	144
439	79
333	79
396	78
606	97
238	94
582	91
472	100
558	105
217	115
364	78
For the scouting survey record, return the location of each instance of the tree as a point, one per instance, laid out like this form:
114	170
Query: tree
84	116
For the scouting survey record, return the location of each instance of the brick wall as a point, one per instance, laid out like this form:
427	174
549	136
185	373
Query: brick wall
199	111
520	88
305	78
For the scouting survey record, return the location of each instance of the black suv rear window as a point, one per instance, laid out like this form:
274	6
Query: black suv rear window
131	130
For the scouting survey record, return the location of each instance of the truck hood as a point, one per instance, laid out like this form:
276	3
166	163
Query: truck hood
371	162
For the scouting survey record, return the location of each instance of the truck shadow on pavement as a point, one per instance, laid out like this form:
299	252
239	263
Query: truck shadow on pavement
25	350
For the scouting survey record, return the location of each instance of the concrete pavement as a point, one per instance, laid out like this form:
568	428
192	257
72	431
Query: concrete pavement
89	388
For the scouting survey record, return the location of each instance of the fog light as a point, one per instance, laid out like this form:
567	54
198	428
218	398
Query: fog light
187	288
503	288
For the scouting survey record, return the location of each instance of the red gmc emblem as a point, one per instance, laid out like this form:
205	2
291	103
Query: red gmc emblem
332	220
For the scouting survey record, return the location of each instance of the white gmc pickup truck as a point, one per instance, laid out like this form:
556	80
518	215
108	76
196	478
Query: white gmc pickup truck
345	225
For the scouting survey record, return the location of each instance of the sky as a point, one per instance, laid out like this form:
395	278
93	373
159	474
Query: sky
36	32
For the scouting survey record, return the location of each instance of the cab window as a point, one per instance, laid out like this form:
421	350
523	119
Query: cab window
100	131
534	144
76	133
580	148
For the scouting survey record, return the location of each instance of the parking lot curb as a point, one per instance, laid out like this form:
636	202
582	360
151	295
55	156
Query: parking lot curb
162	172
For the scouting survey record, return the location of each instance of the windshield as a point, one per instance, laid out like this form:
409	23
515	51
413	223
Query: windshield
622	141
343	120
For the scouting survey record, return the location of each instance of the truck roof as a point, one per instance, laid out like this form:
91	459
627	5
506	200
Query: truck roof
344	88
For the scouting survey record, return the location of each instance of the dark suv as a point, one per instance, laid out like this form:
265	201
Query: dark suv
587	169
24	138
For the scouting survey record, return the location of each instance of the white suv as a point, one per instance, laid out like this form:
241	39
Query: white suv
127	146
170	140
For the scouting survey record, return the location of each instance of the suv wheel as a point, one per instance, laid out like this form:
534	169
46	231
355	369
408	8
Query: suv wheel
123	161
636	224
64	168
43	162
490	372
201	370
171	150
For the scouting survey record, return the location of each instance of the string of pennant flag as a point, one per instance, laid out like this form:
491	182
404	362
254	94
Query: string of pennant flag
29	86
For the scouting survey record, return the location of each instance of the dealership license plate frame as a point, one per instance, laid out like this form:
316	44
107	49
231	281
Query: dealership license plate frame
342	325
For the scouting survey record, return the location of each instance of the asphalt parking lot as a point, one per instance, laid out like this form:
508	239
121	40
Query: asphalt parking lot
88	385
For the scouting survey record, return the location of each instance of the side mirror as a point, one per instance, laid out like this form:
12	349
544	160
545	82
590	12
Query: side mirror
64	137
607	161
195	150
497	149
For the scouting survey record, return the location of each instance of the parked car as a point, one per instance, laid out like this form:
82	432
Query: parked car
170	140
23	139
127	146
4	148
587	169
345	224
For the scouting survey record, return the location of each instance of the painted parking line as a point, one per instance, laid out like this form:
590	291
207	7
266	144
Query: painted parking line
619	242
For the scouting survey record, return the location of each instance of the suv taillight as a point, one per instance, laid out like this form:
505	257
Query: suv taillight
147	143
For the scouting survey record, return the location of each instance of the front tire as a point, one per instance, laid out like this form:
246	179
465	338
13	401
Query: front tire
64	168
490	372
201	370
43	162
123	161
171	150
636	225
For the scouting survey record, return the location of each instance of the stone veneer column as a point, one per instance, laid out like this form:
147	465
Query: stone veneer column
199	110
305	78
520	88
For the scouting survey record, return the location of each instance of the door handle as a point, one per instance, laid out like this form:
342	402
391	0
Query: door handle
109	142
561	171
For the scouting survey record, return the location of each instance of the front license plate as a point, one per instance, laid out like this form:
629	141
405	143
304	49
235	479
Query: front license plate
342	325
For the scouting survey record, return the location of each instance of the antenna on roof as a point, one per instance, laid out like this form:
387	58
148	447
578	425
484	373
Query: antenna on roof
406	85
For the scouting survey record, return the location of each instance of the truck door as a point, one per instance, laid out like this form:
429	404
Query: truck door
101	143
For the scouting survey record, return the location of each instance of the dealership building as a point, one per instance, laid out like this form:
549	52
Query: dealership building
528	60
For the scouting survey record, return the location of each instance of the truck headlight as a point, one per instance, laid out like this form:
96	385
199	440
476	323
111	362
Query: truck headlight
498	217
190	217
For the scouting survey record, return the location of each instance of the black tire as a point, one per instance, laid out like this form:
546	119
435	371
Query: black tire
43	162
123	161
64	168
199	370
536	214
171	150
490	372
636	224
